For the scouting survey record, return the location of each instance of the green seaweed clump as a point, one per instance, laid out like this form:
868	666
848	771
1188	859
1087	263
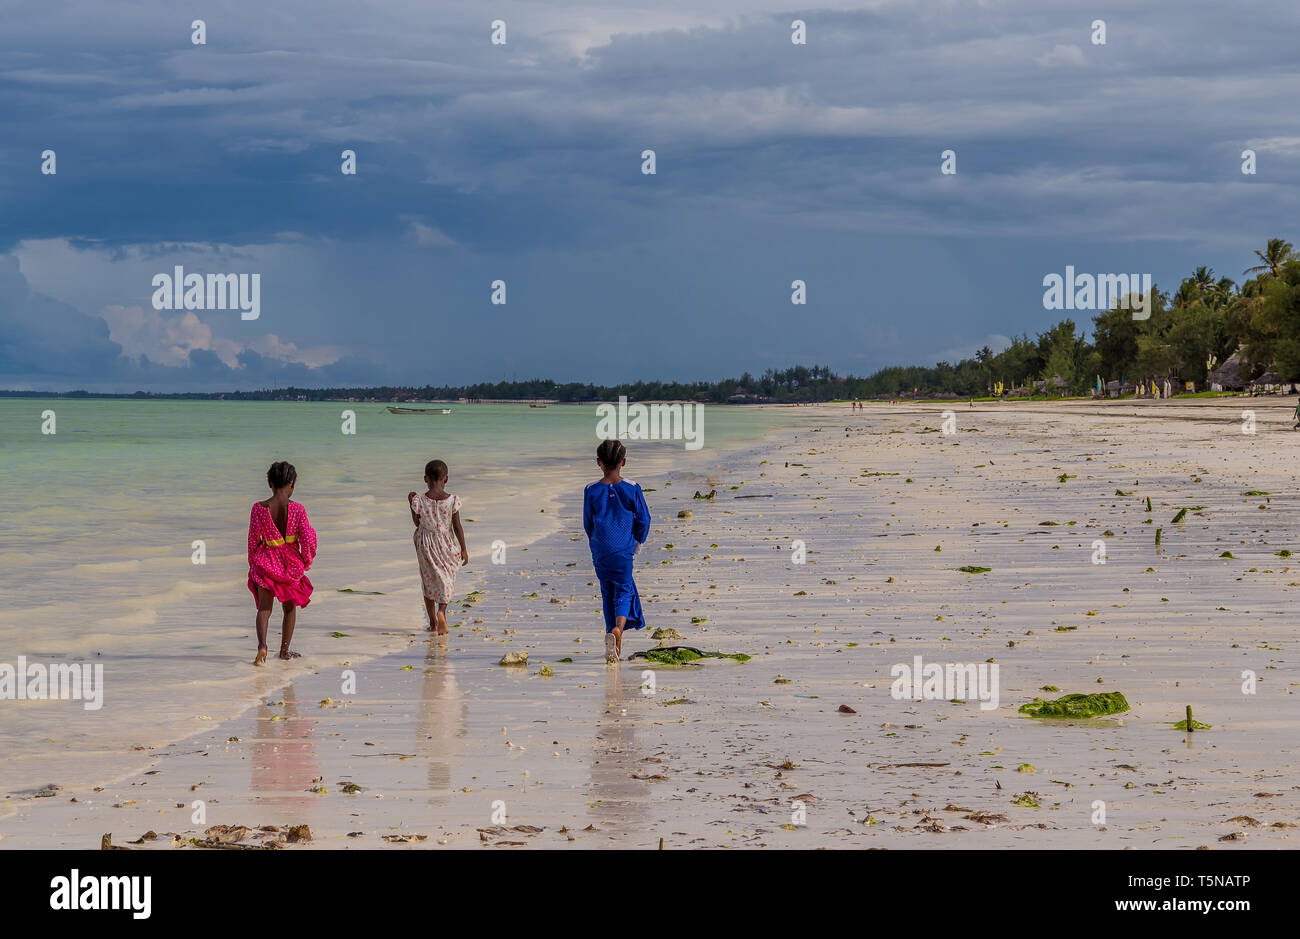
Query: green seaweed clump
1196	725
974	569
1077	705
682	655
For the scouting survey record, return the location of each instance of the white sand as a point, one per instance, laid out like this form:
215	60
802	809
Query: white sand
438	748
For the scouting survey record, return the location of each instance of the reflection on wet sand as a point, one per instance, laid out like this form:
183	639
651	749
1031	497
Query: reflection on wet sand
284	762
443	713
618	799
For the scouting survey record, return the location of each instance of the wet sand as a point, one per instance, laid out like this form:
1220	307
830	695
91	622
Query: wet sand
445	743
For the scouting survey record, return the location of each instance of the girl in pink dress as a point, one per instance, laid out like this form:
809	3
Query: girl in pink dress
281	545
436	514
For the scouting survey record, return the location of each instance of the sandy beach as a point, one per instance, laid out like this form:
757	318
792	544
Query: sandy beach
439	746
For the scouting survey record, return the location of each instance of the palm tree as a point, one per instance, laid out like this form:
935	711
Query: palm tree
1277	253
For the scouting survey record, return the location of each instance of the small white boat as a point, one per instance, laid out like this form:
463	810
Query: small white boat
396	410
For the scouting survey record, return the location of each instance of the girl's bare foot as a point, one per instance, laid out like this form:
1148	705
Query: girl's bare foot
287	655
261	656
442	623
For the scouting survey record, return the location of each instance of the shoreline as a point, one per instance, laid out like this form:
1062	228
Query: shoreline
438	734
279	675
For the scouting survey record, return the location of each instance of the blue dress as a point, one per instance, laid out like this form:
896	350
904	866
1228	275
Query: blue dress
616	520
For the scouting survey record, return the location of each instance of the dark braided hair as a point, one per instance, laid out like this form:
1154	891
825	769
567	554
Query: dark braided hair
611	453
281	474
435	470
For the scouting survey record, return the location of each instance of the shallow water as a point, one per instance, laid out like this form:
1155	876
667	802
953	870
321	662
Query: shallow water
101	519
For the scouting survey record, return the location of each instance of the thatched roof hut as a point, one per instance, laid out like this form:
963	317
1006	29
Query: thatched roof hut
1228	377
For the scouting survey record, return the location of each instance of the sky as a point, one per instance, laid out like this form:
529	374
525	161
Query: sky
522	162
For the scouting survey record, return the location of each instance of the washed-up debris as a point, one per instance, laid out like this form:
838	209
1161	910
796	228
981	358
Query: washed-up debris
362	593
501	830
682	655
403	839
514	658
909	765
1077	706
227	834
974	569
845	709
665	633
41	792
985	818
1188	725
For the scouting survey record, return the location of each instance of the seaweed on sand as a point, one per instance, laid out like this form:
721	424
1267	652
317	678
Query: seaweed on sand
682	655
1077	705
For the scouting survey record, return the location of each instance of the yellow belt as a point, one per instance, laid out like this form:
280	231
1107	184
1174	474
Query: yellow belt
277	542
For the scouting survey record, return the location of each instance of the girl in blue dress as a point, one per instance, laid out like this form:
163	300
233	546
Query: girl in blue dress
617	521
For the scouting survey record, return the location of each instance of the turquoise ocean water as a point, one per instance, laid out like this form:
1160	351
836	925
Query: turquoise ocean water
100	521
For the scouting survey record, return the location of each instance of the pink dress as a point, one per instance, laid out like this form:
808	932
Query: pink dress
436	546
279	562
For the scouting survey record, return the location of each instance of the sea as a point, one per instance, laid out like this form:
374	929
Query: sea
123	534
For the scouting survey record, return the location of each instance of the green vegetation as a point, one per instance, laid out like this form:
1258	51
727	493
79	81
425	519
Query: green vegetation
1077	706
682	655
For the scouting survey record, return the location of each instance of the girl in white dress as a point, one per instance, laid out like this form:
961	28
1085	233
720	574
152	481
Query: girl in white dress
436	514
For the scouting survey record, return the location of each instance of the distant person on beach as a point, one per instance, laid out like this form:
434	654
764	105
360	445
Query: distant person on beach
281	546
617	522
436	514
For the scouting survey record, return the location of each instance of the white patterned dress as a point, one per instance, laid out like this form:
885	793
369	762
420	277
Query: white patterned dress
436	546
